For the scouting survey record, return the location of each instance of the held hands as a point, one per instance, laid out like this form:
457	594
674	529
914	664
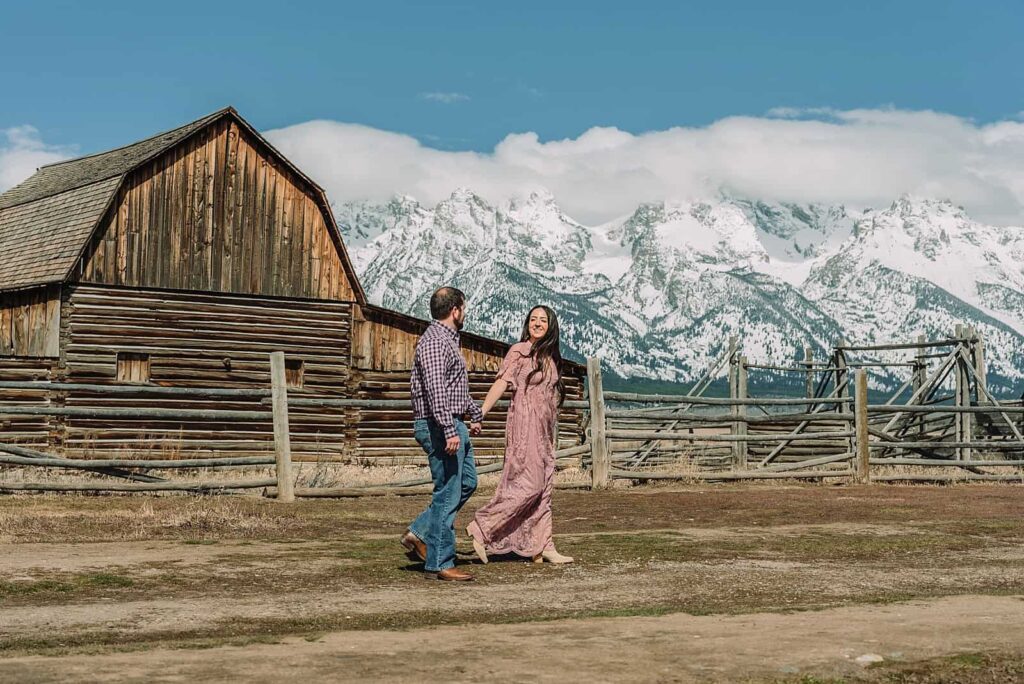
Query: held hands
452	444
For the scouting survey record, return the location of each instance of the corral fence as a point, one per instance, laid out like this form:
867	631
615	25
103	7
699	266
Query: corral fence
941	419
941	424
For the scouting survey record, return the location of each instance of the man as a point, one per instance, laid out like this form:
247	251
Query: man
440	399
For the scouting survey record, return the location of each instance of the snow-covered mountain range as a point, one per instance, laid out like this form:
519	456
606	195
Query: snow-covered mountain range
657	293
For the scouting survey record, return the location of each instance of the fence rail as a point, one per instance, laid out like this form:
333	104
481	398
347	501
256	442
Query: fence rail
832	432
136	470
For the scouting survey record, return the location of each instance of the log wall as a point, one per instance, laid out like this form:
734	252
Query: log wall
383	347
30	322
29	431
191	339
384	436
218	213
386	341
202	340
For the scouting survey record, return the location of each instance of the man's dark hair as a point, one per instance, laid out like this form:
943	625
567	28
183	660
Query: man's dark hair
444	300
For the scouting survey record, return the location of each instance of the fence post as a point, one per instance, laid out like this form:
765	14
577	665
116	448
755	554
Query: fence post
962	396
862	460
842	375
734	349
978	358
282	439
809	363
739	448
586	425
600	459
920	377
734	380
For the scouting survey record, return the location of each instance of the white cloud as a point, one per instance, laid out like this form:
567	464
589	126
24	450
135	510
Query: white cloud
445	98
24	152
861	158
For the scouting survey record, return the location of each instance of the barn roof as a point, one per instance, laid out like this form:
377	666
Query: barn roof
47	220
74	174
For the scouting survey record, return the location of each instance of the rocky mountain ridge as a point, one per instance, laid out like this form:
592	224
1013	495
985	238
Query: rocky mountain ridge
657	293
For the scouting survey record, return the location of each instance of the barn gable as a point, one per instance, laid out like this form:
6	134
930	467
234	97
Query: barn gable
220	212
208	206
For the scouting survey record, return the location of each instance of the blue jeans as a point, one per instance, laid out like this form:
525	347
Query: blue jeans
454	482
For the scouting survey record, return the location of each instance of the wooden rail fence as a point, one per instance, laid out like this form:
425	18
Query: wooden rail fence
943	416
135	474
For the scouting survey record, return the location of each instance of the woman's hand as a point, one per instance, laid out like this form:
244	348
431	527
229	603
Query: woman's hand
493	395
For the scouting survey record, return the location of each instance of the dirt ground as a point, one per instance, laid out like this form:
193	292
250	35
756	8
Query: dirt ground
745	583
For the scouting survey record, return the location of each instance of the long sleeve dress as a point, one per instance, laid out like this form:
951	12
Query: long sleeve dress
517	519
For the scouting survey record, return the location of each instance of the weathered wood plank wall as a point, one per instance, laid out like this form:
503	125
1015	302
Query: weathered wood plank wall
29	431
219	214
383	347
385	435
386	341
202	340
29	322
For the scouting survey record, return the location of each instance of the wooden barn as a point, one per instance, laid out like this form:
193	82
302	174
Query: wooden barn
184	260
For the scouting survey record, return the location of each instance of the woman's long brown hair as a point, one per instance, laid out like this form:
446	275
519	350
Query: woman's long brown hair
547	347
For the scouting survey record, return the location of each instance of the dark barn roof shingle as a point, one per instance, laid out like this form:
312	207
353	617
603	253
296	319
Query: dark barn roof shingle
40	240
72	174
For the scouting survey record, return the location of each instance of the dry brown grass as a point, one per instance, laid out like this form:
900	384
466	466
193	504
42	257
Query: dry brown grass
44	519
320	473
957	476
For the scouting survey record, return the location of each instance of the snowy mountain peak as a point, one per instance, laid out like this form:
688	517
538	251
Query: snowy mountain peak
538	197
541	209
463	195
694	232
909	205
658	291
537	232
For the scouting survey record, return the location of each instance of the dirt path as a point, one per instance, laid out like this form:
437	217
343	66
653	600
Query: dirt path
110	555
675	647
106	555
699	582
269	585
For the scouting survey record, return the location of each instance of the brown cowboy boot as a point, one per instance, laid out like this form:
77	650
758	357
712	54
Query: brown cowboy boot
415	549
452	575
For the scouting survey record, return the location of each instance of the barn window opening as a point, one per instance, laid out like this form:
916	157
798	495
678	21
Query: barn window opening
132	367
294	372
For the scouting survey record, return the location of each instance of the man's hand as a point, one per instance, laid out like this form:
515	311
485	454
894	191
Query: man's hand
475	428
452	445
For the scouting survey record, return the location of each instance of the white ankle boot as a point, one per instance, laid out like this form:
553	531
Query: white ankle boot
550	555
478	547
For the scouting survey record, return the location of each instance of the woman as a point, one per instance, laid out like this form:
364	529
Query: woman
518	517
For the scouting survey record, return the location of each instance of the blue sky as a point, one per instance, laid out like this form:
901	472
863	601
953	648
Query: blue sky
602	104
100	74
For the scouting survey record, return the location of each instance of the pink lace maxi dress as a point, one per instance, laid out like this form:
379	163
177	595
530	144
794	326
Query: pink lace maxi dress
518	518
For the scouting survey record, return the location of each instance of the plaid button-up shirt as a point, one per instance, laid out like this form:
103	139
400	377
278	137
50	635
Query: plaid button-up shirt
440	384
